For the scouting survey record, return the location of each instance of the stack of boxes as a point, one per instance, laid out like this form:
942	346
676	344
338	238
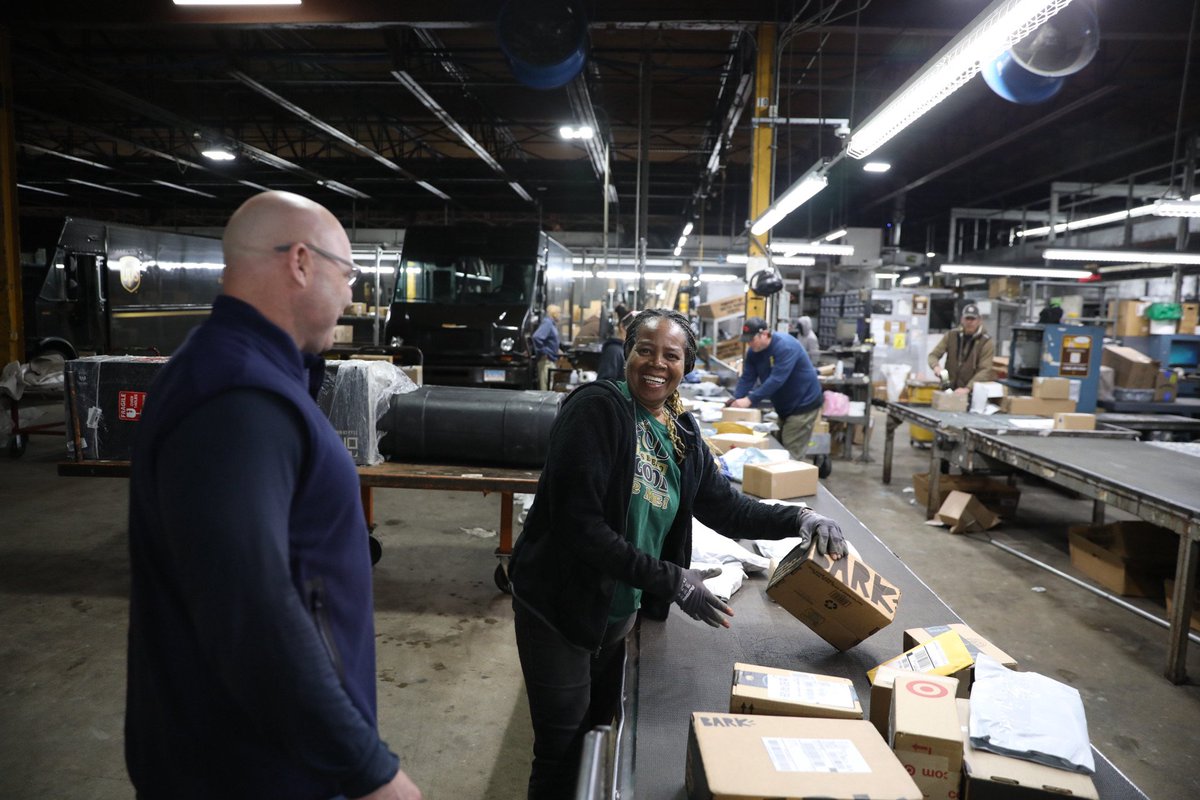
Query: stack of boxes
1051	396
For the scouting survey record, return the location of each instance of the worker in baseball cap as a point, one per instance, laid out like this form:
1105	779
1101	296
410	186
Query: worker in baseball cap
968	350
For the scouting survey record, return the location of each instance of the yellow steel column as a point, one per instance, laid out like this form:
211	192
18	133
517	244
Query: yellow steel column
761	153
11	316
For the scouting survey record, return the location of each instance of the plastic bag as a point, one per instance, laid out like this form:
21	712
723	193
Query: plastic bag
836	404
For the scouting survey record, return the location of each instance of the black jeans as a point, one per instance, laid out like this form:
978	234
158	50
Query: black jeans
571	690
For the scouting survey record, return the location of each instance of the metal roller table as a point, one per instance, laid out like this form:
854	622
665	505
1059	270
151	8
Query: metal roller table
680	666
1156	484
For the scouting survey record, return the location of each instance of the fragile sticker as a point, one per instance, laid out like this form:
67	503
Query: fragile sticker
130	405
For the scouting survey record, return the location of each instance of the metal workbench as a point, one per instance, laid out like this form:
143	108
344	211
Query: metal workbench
680	666
1156	484
1153	423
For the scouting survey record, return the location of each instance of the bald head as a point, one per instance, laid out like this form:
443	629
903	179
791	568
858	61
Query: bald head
277	249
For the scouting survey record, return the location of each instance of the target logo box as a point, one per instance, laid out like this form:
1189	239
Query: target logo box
945	654
924	732
975	644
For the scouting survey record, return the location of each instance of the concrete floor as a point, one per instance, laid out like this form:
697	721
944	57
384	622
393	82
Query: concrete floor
451	700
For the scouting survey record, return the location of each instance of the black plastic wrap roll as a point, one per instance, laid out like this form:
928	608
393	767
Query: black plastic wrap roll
464	425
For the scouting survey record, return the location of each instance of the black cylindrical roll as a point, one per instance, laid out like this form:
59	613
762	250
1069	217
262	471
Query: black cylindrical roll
466	425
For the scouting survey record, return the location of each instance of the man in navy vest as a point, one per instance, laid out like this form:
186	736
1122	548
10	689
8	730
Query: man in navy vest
251	633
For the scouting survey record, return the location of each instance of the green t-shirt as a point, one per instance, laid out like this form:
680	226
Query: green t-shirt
654	503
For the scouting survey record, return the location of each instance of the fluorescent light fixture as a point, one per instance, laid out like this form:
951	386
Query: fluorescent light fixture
931	254
254	185
911	280
794	261
580	132
709	278
1020	272
678	249
102	188
237	2
187	189
218	154
682	241
1177	208
736	258
791	247
40	189
833	236
1121	256
516	187
876	166
57	154
887	276
687	229
799	193
1091	222
999	26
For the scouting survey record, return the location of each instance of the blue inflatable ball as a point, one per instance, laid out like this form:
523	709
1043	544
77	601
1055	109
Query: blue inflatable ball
1016	84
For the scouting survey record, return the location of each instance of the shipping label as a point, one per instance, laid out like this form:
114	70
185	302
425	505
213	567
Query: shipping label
814	755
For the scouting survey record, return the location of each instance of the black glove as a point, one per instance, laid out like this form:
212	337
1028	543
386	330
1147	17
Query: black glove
697	601
823	532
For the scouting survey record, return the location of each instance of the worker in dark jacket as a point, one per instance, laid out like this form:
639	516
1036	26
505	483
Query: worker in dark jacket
546	345
968	350
251	627
610	532
612	352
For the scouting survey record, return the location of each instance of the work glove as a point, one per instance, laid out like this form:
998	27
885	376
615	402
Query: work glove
822	532
697	601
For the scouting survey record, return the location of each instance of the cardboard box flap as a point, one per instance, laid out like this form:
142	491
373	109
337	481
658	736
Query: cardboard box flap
965	513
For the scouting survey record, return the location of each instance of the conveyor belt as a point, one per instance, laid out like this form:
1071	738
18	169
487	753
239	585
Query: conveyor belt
684	666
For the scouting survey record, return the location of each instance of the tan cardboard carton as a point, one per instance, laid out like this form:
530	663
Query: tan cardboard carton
950	401
991	776
997	495
964	513
1169	592
1052	388
722	443
1130	321
1036	406
780	480
843	601
741	415
787	693
924	732
1130	558
343	334
740	757
975	645
725	307
1131	369
1190	319
729	349
1074	422
944	654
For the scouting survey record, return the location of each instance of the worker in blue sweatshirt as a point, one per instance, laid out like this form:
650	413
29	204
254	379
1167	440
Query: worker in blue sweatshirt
776	368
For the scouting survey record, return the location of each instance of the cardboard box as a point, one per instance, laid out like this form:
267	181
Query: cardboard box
1166	386
975	645
110	394
729	349
964	513
1036	406
924	732
821	426
843	601
997	495
791	758
1169	593
787	693
944	654
722	443
1052	388
1191	317
780	479
343	334
991	776
1074	422
1129	319
950	401
1131	369
741	415
415	373
1130	558
1000	288
725	307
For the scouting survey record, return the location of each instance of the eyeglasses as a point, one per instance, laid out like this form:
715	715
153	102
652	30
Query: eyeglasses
351	277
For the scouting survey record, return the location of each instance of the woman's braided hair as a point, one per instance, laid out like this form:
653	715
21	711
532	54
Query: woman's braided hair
674	404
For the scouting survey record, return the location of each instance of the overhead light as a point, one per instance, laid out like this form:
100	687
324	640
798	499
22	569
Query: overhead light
678	249
931	254
102	188
573	132
799	193
68	157
998	27
711	278
187	189
791	247
1091	222
1020	272
218	154
254	185
911	280
736	258
794	261
1177	208
516	187
40	189
835	235
237	2
886	276
687	229
876	166
1121	256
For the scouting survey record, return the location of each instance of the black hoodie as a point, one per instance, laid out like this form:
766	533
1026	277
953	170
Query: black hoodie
573	549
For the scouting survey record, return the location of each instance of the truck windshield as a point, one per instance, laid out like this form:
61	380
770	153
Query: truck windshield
467	280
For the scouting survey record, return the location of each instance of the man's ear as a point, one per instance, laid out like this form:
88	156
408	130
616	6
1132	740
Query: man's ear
298	266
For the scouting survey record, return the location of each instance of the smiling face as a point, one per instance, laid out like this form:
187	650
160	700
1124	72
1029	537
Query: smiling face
655	364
